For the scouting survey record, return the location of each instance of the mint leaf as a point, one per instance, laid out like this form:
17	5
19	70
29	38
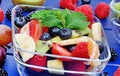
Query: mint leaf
76	20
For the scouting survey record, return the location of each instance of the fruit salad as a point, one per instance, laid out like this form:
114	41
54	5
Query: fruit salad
60	41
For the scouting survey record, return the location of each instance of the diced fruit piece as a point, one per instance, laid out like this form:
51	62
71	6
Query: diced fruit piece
114	54
19	12
35	29
96	31
45	36
87	10
54	31
42	47
56	39
28	16
117	72
70	4
86	50
1	15
25	29
5	35
26	43
70	47
59	50
104	74
75	66
65	33
37	60
102	10
2	55
73	41
75	34
81	50
83	31
20	22
3	72
55	64
44	29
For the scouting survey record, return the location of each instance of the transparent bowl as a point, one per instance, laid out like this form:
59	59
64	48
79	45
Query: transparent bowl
26	69
115	19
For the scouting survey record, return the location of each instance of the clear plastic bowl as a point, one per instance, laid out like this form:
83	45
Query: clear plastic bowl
25	69
115	19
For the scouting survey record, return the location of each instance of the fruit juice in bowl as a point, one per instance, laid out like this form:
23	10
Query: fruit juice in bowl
115	18
50	43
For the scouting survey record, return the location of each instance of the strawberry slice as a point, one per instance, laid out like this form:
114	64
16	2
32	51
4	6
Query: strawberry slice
117	72
38	61
59	50
35	30
81	50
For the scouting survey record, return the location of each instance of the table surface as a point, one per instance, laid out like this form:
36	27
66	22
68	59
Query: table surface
10	65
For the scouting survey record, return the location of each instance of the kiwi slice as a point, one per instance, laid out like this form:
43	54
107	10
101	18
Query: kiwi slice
42	47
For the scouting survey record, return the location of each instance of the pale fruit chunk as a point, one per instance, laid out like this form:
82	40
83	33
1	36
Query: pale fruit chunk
55	64
96	31
75	34
42	46
56	39
73	41
26	43
25	29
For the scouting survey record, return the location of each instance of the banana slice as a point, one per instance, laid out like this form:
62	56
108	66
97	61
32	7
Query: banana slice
25	29
27	43
96	31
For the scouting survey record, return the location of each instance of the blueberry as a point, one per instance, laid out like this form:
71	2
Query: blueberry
3	72
45	36
101	46
20	22
104	74
86	1
65	33
54	31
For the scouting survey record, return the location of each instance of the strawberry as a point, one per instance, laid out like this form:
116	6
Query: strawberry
38	61
59	50
87	10
70	4
75	66
117	72
35	30
81	50
1	15
102	10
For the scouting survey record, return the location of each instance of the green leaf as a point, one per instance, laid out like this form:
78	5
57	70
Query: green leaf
76	20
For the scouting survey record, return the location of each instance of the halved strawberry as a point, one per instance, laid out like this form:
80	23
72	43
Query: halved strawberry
59	50
35	29
38	61
81	50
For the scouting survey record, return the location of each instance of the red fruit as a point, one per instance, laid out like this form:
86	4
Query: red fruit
117	72
59	50
38	61
87	10
102	10
81	50
75	66
44	29
70	4
35	30
1	15
5	35
2	55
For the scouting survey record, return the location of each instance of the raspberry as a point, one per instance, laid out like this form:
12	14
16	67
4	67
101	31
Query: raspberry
102	10
87	10
1	15
38	61
81	50
117	72
70	4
